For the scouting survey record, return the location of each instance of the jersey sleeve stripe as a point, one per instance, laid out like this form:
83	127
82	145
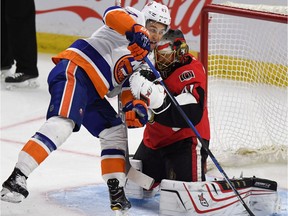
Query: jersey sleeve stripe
119	20
112	8
96	67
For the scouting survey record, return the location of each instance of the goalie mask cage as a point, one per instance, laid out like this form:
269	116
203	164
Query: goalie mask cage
244	50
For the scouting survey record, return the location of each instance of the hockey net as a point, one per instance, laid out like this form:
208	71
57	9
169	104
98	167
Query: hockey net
244	50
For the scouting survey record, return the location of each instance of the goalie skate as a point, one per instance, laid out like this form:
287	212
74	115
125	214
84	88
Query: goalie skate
14	188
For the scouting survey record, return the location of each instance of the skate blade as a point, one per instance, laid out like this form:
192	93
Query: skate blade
30	84
4	74
121	212
13	197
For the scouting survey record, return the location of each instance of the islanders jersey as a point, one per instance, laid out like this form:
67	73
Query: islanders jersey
104	56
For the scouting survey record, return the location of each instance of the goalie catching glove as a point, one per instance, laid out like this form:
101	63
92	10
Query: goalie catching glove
146	90
139	45
135	113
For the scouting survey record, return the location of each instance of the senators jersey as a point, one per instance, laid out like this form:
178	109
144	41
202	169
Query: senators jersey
104	56
188	85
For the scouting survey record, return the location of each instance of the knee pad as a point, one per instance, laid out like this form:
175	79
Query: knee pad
57	129
49	137
114	138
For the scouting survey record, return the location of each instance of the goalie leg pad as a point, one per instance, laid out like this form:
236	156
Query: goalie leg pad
212	198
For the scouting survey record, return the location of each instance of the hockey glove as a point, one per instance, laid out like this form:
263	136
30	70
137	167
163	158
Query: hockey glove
139	45
141	88
135	114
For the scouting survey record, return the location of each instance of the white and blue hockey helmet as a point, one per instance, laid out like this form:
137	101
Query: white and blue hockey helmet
157	12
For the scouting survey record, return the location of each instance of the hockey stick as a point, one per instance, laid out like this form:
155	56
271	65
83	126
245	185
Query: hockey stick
132	174
159	78
118	2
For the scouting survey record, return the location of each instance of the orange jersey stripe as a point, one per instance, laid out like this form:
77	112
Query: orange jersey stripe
68	91
119	20
36	151
94	75
112	165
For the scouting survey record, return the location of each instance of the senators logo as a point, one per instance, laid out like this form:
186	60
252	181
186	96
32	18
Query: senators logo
123	68
186	75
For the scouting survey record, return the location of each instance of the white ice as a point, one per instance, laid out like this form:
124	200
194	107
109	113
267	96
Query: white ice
76	163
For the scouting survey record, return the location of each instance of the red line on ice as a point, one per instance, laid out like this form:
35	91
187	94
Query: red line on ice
21	123
62	150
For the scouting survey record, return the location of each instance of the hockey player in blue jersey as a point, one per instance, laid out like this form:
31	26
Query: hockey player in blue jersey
85	73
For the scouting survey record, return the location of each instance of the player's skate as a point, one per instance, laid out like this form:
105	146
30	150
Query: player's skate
5	72
118	199
14	188
21	80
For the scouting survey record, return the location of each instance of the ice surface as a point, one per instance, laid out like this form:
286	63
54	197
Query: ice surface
64	183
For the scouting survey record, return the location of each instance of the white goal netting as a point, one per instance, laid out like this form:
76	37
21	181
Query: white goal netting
247	84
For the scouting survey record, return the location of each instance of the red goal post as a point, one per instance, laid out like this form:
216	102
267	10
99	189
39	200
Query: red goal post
244	51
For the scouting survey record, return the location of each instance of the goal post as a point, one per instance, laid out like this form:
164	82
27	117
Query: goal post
244	51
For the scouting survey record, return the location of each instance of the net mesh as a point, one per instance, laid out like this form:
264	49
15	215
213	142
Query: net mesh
247	89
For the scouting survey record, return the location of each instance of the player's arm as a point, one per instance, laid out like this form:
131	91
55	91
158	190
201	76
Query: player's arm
122	22
191	101
165	112
118	19
136	111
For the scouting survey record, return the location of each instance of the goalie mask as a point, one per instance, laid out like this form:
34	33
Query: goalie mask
170	52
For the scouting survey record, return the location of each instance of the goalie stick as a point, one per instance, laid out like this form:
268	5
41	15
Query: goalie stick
132	174
159	78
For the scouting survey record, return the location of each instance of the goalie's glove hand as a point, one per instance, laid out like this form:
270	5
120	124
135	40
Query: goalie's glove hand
139	45
136	115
